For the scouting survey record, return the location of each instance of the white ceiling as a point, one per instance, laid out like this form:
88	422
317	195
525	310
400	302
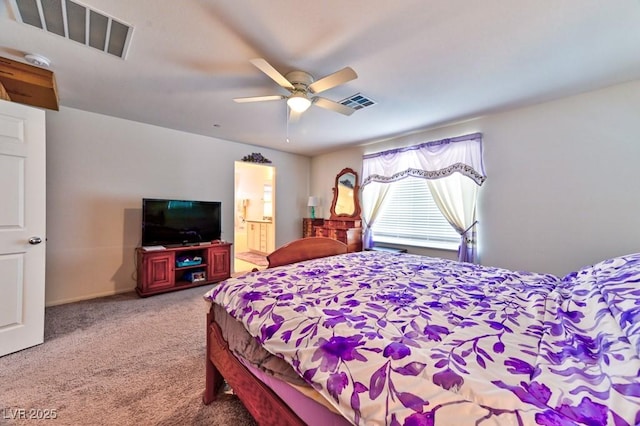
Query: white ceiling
425	63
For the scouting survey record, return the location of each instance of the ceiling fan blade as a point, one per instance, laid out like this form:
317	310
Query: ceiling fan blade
266	68
259	98
333	80
333	106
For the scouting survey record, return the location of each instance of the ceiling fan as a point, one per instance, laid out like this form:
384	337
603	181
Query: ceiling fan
302	87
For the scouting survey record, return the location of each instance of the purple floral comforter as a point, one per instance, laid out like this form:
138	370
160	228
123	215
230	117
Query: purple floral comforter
401	339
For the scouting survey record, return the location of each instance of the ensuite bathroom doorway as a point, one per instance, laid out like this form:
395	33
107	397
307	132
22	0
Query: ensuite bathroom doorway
254	215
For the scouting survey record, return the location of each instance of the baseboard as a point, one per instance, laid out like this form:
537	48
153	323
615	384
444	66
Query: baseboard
87	297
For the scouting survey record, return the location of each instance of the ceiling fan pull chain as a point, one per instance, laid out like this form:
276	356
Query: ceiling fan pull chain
286	117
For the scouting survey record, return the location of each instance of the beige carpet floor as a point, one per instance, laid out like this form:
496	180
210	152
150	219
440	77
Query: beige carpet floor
119	360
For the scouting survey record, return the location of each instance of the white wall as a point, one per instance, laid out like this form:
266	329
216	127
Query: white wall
562	189
98	170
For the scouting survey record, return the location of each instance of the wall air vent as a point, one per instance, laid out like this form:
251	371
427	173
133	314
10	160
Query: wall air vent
358	101
76	22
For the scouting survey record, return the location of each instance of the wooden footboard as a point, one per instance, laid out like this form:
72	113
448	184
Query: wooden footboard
263	404
214	379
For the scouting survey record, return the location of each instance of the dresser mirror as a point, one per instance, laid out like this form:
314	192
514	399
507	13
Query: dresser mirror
345	204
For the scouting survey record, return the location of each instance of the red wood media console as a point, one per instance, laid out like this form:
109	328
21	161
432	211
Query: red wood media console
176	268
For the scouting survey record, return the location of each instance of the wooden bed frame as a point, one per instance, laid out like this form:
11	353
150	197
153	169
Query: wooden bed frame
221	364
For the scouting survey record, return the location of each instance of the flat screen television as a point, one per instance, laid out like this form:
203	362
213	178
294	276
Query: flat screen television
180	222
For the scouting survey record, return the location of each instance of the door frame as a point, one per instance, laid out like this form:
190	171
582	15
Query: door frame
248	204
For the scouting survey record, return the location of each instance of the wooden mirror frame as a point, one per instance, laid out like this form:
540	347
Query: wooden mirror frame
356	201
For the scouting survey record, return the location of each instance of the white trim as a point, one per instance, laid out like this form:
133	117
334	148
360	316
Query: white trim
440	245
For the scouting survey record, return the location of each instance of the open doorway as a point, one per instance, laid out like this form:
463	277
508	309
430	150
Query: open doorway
254	215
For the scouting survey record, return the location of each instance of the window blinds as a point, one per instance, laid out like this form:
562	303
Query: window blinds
411	215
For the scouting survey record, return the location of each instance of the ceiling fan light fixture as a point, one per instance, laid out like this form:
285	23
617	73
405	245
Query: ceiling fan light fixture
298	102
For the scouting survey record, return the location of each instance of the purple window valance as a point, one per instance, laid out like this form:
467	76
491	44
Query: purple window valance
430	160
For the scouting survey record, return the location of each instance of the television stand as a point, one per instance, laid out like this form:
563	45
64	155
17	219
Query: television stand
164	270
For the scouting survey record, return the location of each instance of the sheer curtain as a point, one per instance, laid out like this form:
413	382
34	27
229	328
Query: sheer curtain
456	197
453	169
372	202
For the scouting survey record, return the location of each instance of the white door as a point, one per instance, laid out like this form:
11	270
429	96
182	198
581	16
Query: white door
22	226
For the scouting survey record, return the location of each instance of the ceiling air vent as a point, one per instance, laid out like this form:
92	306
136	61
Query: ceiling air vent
76	22
358	101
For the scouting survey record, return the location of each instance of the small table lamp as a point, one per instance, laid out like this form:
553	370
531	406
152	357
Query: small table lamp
313	202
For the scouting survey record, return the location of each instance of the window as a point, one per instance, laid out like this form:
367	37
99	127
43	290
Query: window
410	216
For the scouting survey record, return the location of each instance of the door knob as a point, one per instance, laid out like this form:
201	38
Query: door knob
35	240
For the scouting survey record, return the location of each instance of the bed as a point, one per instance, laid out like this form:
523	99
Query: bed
399	339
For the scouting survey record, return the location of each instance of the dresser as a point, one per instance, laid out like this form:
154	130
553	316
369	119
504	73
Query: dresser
348	231
308	224
344	223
